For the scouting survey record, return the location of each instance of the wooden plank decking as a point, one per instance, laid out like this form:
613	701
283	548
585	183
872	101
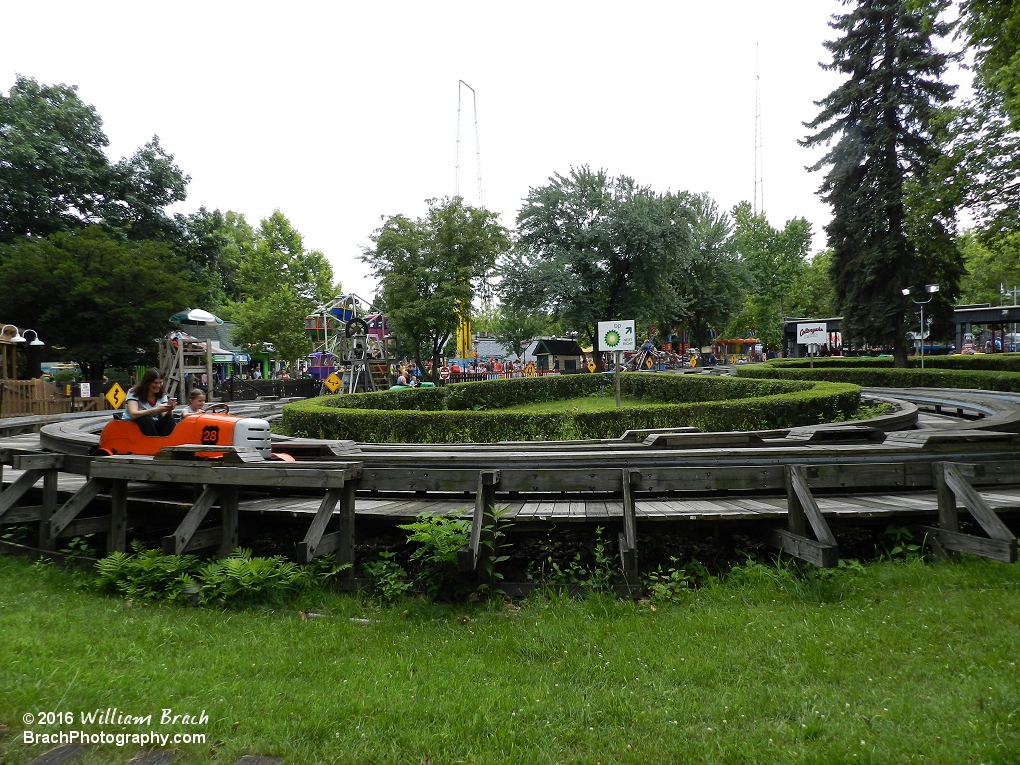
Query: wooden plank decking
575	510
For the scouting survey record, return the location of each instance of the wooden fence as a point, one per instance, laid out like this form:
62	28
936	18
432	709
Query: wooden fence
27	397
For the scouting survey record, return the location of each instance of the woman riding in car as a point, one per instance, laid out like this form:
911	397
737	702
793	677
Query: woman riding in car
149	407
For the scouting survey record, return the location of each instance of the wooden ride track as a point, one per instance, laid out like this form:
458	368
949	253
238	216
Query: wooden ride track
794	481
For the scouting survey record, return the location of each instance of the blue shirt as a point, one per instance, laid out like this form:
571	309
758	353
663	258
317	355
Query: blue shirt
142	404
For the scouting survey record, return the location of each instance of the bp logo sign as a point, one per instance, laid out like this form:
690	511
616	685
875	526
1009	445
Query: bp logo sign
616	336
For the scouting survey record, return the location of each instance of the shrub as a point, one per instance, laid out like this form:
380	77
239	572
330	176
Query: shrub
872	376
470	412
438	538
388	578
997	362
150	575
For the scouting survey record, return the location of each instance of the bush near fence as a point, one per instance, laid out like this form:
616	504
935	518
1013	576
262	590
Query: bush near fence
881	377
470	412
993	362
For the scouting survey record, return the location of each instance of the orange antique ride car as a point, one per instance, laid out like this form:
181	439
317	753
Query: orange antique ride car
213	426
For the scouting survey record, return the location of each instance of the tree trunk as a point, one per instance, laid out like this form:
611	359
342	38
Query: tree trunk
900	355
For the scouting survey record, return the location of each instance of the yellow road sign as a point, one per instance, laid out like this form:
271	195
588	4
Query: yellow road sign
116	396
591	365
694	360
648	363
529	370
332	382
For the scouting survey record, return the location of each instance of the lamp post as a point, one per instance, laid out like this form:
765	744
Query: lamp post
17	335
31	352
13	342
931	289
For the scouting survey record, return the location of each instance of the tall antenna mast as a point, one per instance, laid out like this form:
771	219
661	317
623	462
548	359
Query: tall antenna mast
759	181
478	148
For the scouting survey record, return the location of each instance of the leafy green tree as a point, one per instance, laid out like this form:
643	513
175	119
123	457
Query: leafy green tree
430	270
992	28
984	169
992	262
886	120
280	283
515	328
140	190
812	293
54	175
773	260
483	319
714	282
213	245
94	298
593	248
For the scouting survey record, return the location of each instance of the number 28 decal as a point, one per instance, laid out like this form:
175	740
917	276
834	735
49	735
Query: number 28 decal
211	434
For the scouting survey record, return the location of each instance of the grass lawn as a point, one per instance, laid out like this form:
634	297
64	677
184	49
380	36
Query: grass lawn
900	662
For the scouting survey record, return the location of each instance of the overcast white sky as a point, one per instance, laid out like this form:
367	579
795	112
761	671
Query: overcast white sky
340	113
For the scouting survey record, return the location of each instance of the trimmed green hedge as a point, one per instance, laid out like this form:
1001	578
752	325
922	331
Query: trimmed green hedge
994	362
881	377
470	412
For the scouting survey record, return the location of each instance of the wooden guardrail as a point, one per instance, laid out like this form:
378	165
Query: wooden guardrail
332	527
220	484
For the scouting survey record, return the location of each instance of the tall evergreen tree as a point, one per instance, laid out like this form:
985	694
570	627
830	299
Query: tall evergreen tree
891	227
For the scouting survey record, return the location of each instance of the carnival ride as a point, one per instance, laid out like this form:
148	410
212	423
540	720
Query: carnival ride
350	340
214	426
648	358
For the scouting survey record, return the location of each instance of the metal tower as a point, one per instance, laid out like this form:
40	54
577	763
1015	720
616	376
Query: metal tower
478	149
759	180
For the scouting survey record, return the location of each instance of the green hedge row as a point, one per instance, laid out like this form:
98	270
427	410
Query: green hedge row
891	378
993	362
502	394
711	404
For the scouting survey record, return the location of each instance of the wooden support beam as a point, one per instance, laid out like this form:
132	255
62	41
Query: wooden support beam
279	475
802	511
951	485
49	507
795	518
228	515
17	490
977	506
808	505
38	461
479	547
308	548
345	543
948	519
116	539
995	549
628	537
178	543
22	514
332	542
810	550
81	526
205	538
78	502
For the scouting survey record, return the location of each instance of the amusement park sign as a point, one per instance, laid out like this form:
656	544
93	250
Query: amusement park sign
812	334
616	336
